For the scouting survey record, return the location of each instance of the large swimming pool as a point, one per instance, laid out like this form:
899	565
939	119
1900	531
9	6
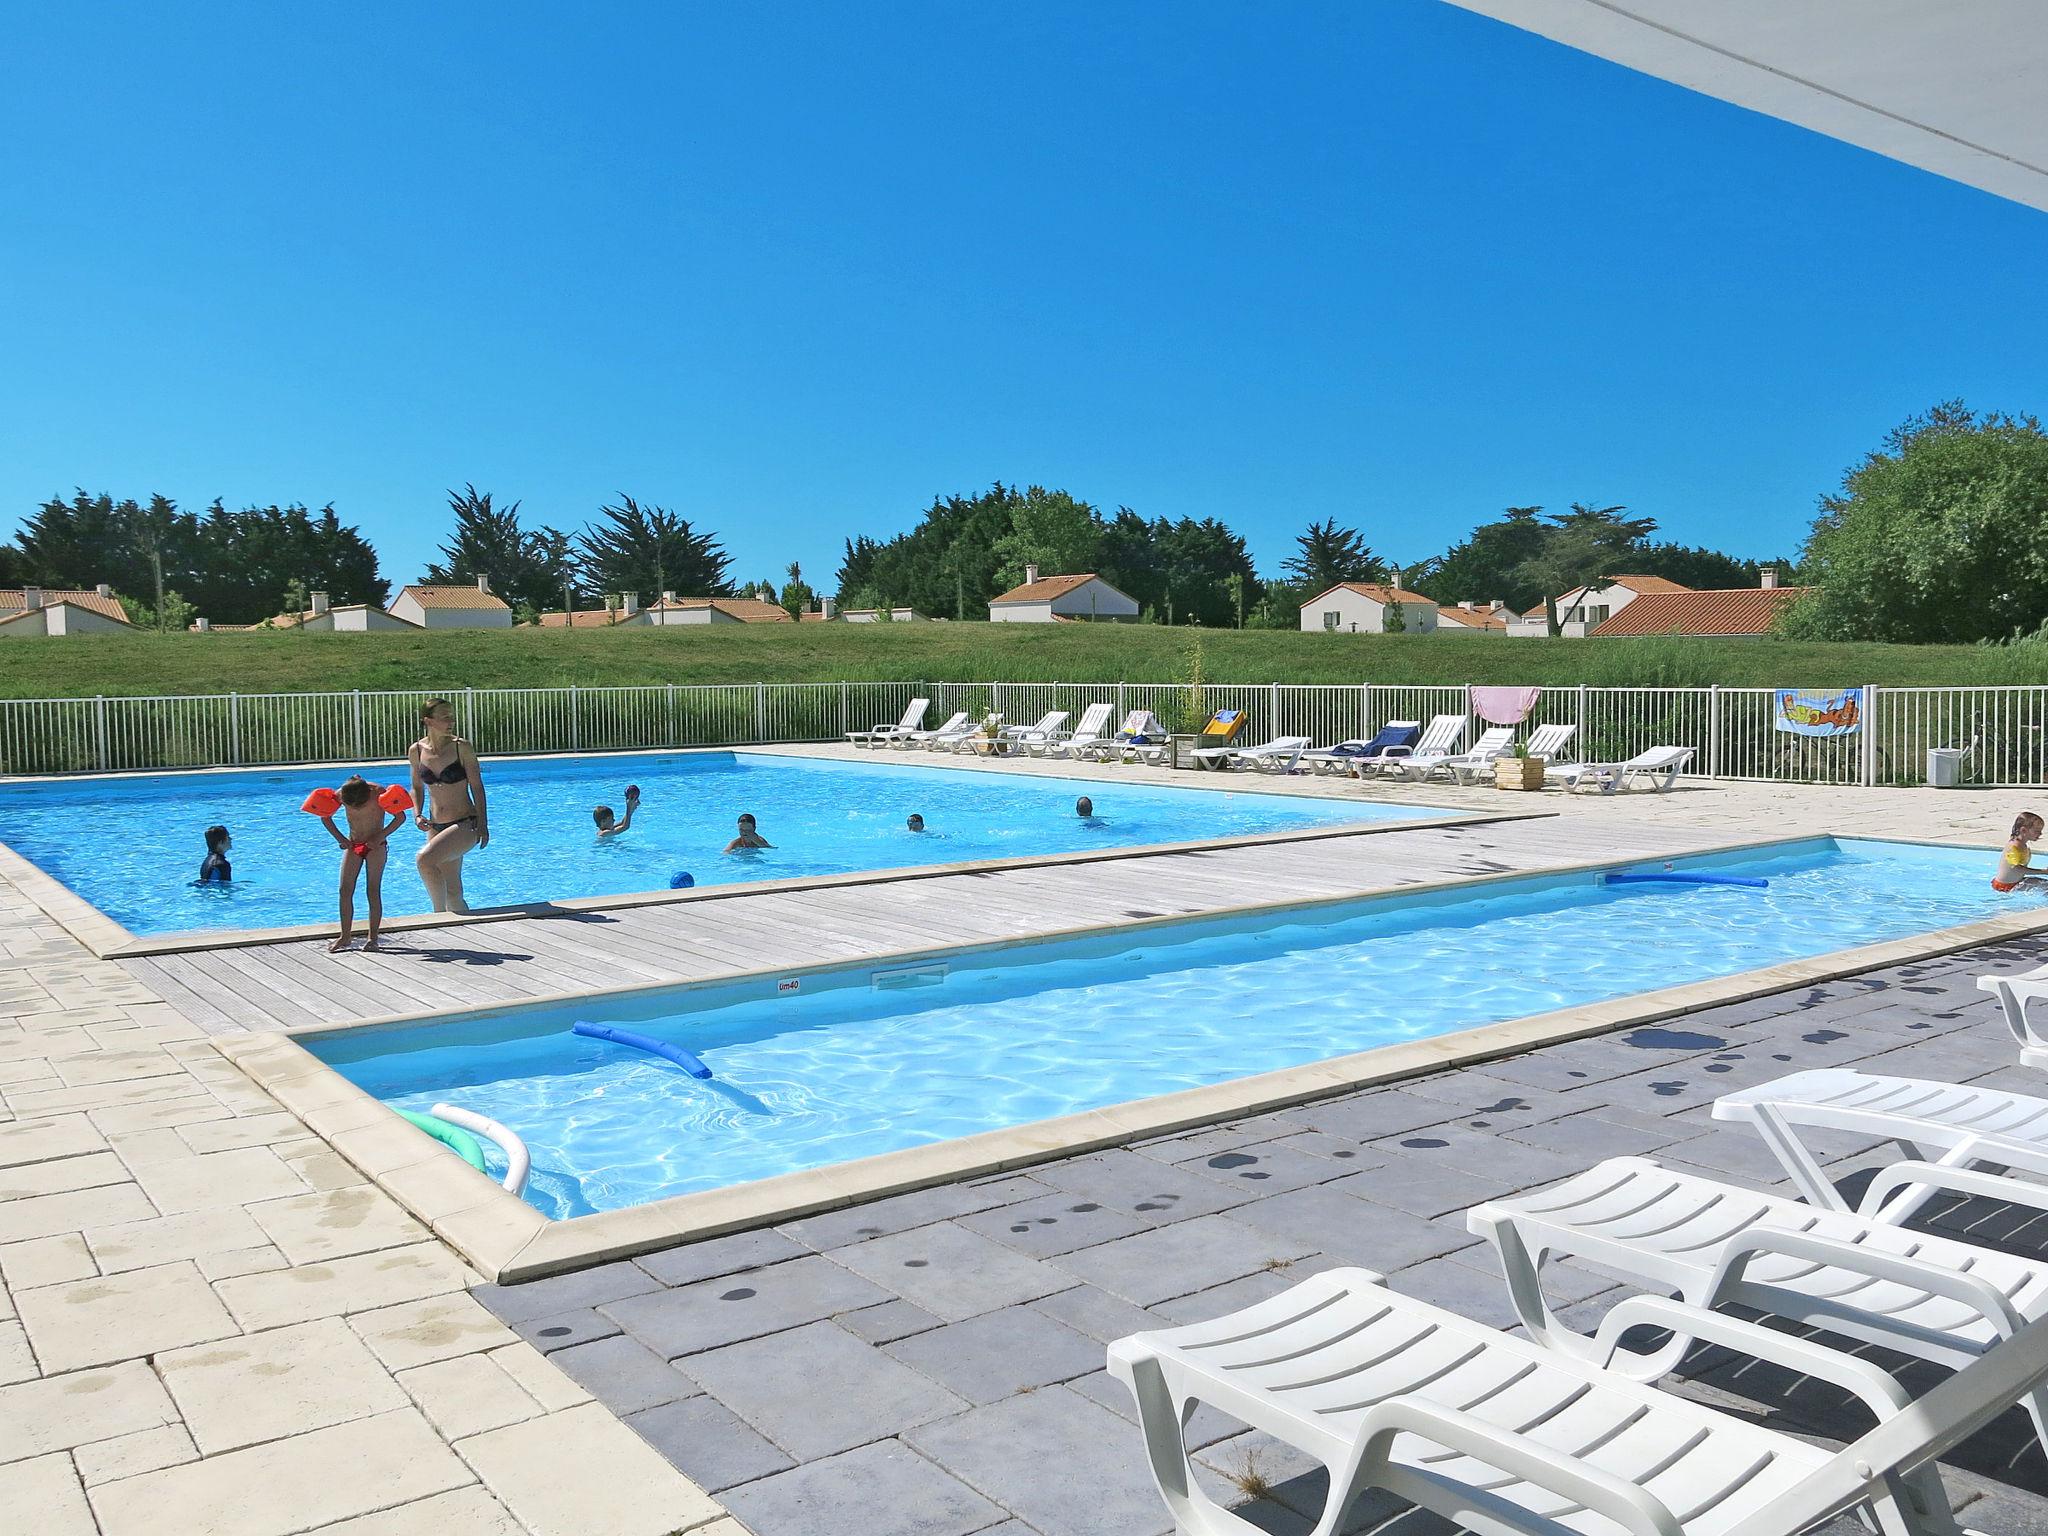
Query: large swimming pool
132	846
860	1061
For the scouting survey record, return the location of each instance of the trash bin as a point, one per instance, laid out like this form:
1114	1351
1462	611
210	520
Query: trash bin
1945	767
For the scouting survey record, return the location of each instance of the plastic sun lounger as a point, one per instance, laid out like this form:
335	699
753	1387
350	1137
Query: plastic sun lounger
1950	1135
1277	755
1022	738
1494	741
1714	1244
912	718
2014	993
1545	742
922	738
1660	765
1500	1434
1087	731
1439	739
1141	734
1350	755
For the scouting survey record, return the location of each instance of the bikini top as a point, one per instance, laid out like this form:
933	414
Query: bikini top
454	773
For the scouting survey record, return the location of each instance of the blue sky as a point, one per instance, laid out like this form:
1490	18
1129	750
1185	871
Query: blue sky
795	269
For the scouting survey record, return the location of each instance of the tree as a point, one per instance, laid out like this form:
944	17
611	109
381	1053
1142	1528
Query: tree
1941	534
1327	554
295	603
650	550
1278	607
488	541
249	557
1582	546
1051	530
1491	564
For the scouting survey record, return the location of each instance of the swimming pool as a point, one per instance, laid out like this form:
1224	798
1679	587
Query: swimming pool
864	1061
132	847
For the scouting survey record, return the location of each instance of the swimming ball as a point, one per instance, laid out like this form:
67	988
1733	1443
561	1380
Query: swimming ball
681	880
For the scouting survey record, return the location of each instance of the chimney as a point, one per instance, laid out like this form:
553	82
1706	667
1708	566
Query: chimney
667	596
104	590
319	604
1770	577
632	604
828	606
204	626
1030	574
483	583
31	597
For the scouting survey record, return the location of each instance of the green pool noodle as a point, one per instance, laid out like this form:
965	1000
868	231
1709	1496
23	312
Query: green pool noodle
453	1137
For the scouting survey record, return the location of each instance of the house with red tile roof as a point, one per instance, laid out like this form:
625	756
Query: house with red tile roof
1475	618
1361	608
670	610
1055	598
435	607
1722	613
50	611
1584	609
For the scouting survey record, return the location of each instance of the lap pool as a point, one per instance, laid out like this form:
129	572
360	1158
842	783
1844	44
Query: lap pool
863	1061
132	846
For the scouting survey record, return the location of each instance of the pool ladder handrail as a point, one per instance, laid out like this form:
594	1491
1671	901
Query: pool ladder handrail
517	1163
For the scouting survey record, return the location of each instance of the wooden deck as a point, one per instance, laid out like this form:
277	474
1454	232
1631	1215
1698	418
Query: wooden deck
296	982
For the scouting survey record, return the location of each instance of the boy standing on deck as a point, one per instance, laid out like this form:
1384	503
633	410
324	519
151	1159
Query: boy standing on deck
363	846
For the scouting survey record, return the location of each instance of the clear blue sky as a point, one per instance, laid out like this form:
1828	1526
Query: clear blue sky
795	269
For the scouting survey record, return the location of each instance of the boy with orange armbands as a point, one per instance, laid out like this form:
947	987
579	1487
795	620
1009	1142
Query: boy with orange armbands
363	846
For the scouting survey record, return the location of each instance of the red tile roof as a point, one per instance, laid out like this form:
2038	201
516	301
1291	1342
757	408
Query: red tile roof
14	602
1045	589
1642	586
1378	591
454	597
1735	611
1470	618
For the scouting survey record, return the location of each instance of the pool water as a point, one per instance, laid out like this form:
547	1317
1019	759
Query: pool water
861	1062
132	847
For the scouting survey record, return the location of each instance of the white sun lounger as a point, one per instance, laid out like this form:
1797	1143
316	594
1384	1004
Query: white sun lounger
913	716
2014	993
1659	766
1439	739
1494	741
1714	1244
1501	1435
1102	744
1276	756
1088	730
1022	738
1949	1133
958	722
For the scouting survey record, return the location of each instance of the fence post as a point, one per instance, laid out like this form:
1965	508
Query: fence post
1714	731
358	714
760	712
1869	735
1121	713
995	694
575	718
1579	722
1272	711
668	736
469	716
235	729
845	708
99	711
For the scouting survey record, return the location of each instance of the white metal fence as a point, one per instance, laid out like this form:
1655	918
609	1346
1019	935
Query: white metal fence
1731	729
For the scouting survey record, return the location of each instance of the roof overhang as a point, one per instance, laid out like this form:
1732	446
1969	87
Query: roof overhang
1951	86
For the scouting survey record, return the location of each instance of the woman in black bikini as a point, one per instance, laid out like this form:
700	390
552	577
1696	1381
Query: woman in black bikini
448	788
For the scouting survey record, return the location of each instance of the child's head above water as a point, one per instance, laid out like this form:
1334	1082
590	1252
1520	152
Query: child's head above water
603	817
217	839
746	822
916	822
2027	827
1084	807
357	792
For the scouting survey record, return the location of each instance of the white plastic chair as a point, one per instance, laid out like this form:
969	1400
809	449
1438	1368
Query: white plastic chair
1087	732
2014	993
1440	738
1022	738
913	716
1660	766
1275	756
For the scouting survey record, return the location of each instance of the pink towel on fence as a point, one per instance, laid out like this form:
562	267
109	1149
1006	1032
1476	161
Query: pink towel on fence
1503	706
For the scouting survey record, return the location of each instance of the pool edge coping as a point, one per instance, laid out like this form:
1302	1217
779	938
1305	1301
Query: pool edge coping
509	1241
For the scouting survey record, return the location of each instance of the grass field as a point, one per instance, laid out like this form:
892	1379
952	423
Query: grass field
287	662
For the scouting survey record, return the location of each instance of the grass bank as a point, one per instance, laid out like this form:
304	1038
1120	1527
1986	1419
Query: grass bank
286	662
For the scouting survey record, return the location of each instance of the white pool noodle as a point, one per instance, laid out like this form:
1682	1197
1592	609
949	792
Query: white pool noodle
517	1163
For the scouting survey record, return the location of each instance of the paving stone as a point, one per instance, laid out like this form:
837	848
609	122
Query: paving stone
92	1171
246	1131
220	1178
261	1386
624	1374
1187	1256
332	1224
61	1412
900	1213
1093	1311
539	1377
721	1256
708	1443
897	1492
566	1293
361	1283
773	1382
1053	1458
122	1317
1423	1190
436	1328
1338	1220
73	1211
464	1512
1141	1189
1370	1116
45	1261
564	1330
990	1357
892	1320
1235	1295
951	1272
51	1136
1267	1168
712	1313
166	1239
1590	1139
240	1261
1052	1224
1443	1148
331	1474
581	1471
16	1362
468	1395
43	1497
146	1450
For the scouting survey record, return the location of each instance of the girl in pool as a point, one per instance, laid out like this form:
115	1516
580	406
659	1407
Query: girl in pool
749	838
365	846
448	788
2015	862
215	869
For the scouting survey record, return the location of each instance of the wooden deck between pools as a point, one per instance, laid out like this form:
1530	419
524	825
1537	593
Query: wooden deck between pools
294	982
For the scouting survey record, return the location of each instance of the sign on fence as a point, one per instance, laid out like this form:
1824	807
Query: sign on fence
1809	712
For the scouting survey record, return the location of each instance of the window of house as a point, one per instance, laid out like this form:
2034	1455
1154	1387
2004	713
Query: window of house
1597	614
1330	619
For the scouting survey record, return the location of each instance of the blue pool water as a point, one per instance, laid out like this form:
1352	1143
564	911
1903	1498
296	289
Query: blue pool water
860	1062
132	847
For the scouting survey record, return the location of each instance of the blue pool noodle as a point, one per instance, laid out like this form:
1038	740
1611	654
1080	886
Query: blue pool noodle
1679	877
661	1048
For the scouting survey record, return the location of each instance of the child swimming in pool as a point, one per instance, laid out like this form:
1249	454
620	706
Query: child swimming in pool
1085	809
748	839
916	822
215	869
363	847
2017	859
609	825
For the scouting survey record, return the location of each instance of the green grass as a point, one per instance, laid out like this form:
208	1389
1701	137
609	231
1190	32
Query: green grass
285	662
